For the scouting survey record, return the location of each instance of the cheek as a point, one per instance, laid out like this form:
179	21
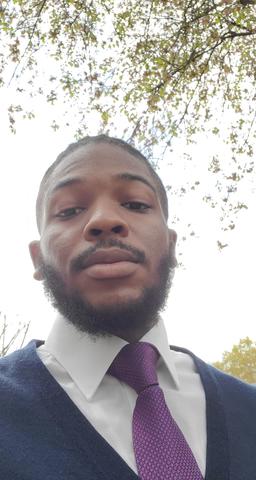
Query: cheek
56	248
157	246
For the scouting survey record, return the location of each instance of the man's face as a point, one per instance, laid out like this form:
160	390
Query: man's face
104	239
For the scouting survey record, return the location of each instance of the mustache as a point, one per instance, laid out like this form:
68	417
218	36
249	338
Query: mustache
77	263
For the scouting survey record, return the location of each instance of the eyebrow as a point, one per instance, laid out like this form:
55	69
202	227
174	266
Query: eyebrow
66	183
126	176
130	177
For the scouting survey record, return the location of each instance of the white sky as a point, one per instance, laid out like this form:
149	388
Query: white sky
212	302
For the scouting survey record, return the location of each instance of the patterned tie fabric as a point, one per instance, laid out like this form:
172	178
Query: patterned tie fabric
161	450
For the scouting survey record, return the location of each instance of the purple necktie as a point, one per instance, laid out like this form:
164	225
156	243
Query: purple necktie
161	450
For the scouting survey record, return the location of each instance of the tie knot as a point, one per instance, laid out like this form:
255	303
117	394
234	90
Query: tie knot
136	365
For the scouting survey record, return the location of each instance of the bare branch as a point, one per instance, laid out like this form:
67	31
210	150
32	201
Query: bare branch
31	34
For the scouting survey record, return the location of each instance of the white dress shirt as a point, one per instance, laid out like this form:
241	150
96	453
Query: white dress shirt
79	363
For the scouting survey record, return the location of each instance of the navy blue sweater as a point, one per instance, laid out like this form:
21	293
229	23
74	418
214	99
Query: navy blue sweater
43	435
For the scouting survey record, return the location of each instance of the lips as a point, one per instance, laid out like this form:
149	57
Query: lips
109	256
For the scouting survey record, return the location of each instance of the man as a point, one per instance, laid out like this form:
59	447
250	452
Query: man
78	406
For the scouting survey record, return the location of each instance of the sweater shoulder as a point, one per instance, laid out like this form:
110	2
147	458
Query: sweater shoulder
13	362
223	382
22	373
232	384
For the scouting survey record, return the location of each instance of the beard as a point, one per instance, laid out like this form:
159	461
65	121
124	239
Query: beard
117	319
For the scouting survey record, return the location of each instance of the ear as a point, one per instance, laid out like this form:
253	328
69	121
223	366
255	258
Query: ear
172	243
35	253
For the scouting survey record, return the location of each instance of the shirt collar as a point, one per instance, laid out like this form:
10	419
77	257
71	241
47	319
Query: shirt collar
87	358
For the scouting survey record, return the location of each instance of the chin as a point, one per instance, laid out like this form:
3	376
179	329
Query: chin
114	298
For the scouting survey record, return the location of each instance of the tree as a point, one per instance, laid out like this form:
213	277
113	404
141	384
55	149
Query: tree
160	62
160	68
241	361
11	338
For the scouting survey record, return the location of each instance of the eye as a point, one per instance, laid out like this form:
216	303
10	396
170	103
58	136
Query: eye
69	212
136	206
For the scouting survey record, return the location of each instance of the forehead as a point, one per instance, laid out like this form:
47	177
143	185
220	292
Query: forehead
92	160
97	159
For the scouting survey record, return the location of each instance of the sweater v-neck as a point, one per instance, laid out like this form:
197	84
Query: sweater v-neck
86	438
217	451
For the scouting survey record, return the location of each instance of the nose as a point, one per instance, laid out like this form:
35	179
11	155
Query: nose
104	223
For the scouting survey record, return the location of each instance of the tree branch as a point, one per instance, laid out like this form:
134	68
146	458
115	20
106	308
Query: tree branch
43	3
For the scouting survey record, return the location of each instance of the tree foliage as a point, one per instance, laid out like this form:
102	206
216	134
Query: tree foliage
160	63
241	361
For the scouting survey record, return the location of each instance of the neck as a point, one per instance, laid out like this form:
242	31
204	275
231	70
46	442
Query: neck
136	334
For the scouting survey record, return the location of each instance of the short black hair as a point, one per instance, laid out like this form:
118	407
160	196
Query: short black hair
111	141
